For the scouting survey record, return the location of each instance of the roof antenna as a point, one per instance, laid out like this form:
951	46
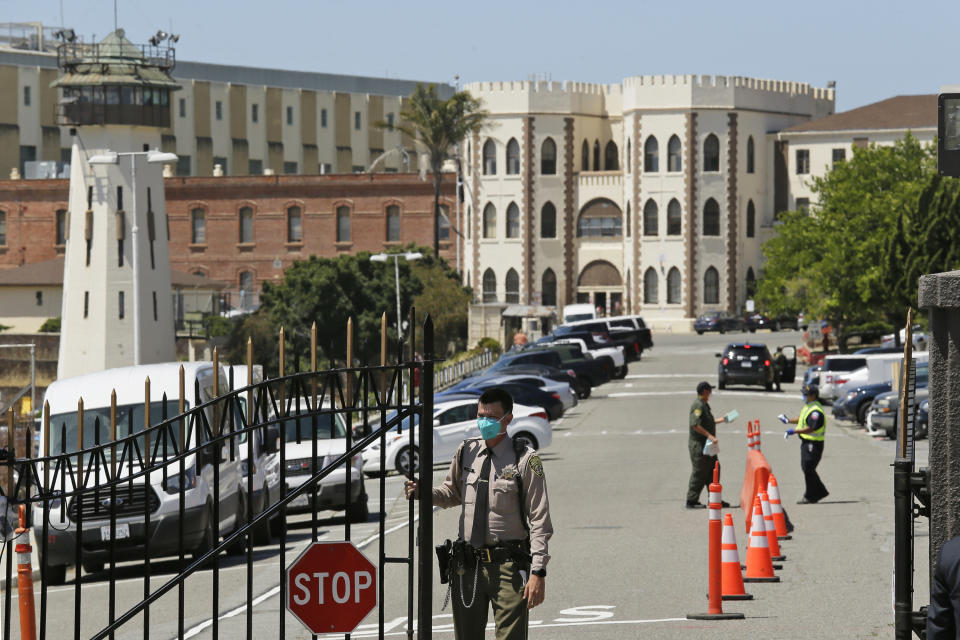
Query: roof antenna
114	15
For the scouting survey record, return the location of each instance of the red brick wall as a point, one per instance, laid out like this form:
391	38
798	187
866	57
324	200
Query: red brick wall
30	207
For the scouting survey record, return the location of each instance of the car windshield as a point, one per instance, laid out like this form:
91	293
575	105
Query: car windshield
710	315
64	427
328	426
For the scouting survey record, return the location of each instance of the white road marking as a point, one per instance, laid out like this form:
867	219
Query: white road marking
638	376
720	394
533	627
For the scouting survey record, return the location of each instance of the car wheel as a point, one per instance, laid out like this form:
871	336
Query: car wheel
276	526
723	330
586	388
721	384
261	535
768	386
862	412
240	544
408	461
358	511
53	575
620	373
208	541
753	329
92	566
699	332
776	326
526	438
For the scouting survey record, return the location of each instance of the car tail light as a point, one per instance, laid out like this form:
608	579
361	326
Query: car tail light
766	363
571	373
840	381
540	414
555	396
636	347
726	361
746	346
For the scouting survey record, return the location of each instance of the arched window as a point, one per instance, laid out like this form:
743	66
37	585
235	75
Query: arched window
489	286
596	155
198	226
651	155
548	157
674	159
650	285
751	218
548	221
246	224
294	224
469	221
711	286
600	218
246	290
443	223
343	224
512	287
750	155
585	156
489	221
489	158
711	153
548	288
674	218
62	226
651	218
611	157
674	295
711	218
393	223
3	228
628	155
627	217
513	157
513	220
751	283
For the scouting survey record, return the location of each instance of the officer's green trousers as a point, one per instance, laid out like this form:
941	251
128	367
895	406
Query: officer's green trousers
498	585
701	471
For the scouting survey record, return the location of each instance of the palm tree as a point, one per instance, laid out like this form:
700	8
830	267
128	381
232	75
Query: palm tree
437	126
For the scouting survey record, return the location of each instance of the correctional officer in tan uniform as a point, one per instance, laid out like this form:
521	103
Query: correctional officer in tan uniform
503	494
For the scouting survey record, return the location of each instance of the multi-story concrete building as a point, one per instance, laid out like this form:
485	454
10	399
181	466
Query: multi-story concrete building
653	195
250	121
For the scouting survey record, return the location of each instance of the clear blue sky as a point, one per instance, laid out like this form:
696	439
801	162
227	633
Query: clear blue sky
873	50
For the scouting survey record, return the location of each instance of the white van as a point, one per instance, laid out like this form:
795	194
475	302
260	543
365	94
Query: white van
835	373
576	312
163	499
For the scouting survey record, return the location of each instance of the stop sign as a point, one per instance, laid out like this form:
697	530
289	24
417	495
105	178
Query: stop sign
331	587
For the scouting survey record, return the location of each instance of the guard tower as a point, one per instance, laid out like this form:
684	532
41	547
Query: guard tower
117	303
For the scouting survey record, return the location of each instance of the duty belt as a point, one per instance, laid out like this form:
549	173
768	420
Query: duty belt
498	554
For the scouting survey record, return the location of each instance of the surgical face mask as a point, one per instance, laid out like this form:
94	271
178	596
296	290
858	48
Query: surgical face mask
489	427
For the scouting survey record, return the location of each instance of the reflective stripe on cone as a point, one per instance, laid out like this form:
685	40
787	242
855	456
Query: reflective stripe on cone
779	517
759	566
769	528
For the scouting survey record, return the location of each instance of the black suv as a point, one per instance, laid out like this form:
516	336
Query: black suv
745	363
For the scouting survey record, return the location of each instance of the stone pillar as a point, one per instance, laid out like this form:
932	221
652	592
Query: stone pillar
940	295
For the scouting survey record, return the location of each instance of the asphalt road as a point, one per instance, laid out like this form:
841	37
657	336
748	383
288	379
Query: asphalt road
628	561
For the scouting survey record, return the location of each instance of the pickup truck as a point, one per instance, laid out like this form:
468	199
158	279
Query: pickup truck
633	340
589	372
595	344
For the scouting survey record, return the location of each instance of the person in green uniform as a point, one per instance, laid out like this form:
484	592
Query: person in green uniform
703	427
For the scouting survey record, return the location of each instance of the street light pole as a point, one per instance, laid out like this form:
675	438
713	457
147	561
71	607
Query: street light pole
409	257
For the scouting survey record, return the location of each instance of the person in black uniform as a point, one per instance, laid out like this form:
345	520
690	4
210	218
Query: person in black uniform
811	427
944	612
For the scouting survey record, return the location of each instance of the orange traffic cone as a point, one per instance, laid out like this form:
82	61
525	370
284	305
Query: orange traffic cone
779	517
749	434
759	566
770	528
756	435
732	579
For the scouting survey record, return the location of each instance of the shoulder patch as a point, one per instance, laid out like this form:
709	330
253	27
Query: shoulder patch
697	412
536	465
814	415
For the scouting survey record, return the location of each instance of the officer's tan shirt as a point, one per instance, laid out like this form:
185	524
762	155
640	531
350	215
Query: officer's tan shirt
505	520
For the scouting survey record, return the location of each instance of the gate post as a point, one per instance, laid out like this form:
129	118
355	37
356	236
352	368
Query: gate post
425	578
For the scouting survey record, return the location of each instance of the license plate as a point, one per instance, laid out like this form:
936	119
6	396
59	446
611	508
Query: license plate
746	364
120	532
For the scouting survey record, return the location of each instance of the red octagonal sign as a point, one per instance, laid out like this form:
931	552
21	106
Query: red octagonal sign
331	587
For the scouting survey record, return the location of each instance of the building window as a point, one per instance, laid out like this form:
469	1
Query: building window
3	228
183	166
246	290
627	218
751	283
673	286
611	157
596	155
26	96
289	115
323	118
183	107
489	221
86	304
513	221
803	161
548	157
356	120
489	286
674	159
548	221
218	109
513	157
548	288
751	219
255	167
326	168
711	286
469	219
28	153
674	218
393	223
839	155
512	287
294	224
600	218
389	122
39	298
246	224
711	218
651	155
255	113
343	224
154	305
290	168
585	156
803	205
651	218
120	305
443	224
711	153
198	226
61	227
489	158
651	283
628	155
750	155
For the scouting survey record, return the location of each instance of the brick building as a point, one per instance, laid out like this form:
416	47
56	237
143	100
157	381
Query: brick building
243	231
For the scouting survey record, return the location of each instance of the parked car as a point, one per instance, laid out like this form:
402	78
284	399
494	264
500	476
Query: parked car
523	393
719	321
875	350
811	377
756	321
590	373
575	312
567	376
745	363
596	344
835	373
922	420
882	417
855	404
622	331
562	389
454	420
920	339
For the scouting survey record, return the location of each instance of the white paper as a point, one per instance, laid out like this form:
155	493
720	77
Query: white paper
733	415
711	448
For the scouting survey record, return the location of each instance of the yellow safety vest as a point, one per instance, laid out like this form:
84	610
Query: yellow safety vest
802	422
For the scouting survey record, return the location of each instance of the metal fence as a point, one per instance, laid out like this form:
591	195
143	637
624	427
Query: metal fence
126	485
447	375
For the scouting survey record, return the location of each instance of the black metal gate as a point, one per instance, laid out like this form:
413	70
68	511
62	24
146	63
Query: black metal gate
120	488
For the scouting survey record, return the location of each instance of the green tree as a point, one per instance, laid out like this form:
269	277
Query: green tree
446	300
436	126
